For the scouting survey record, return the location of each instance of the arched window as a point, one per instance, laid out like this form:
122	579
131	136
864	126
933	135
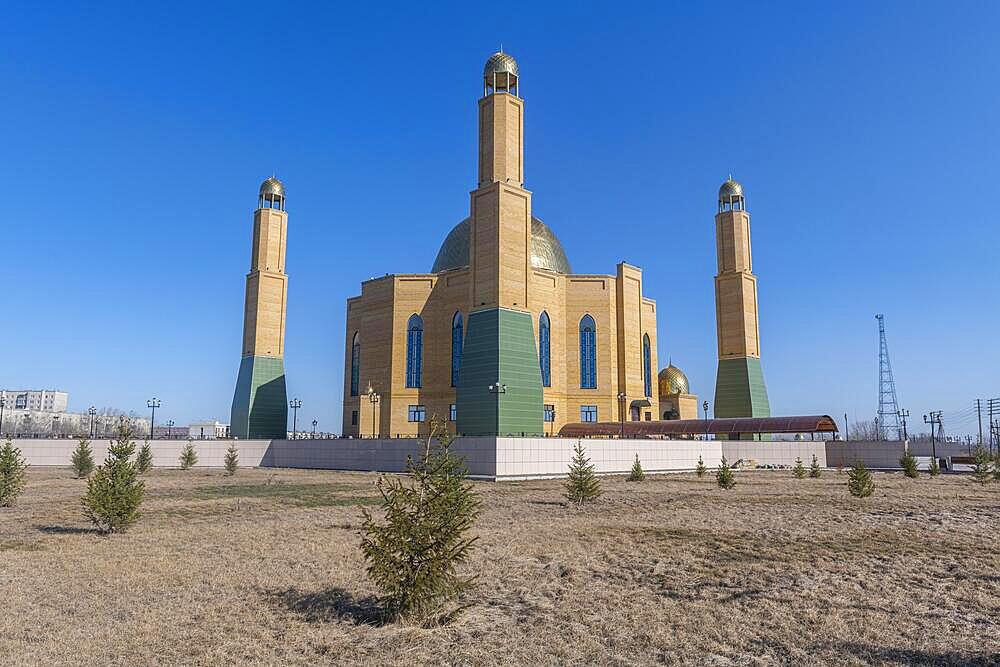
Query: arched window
544	348
456	347
355	364
647	366
588	353
414	350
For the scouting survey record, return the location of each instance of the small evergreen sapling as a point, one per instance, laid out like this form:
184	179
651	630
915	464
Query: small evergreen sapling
814	470
700	469
12	467
413	556
799	470
82	459
859	480
981	465
232	461
114	490
909	465
724	475
637	474
934	469
189	457
144	459
581	484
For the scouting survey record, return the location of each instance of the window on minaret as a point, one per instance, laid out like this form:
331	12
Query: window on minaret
647	366
355	364
456	347
414	351
588	353
544	347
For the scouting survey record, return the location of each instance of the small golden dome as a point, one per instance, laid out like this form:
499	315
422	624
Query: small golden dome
500	63
673	381
730	190
272	186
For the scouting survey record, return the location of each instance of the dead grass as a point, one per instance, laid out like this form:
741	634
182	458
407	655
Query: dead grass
264	568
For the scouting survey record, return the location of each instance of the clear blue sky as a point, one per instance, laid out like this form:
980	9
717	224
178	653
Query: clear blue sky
135	139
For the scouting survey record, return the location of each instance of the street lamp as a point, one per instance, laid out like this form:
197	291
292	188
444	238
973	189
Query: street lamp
170	429
152	404
373	398
315	421
3	404
55	425
295	404
621	413
92	411
497	388
704	406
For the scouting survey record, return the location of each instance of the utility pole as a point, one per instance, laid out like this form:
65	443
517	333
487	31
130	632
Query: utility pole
993	407
847	428
979	415
935	418
903	414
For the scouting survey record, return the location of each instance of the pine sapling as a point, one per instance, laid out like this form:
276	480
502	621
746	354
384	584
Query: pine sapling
724	475
909	465
700	469
934	469
581	483
82	459
799	470
814	470
189	456
12	475
232	461
637	474
144	459
114	490
981	465
859	480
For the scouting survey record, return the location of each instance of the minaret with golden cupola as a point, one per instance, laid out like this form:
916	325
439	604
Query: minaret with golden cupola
739	387
260	407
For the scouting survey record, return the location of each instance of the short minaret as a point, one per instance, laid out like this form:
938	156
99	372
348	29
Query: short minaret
739	385
260	407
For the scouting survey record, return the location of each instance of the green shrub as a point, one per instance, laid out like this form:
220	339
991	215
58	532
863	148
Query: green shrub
981	465
814	470
637	474
232	461
414	555
12	475
189	456
114	490
934	469
909	464
581	484
82	459
700	469
859	480
144	459
799	470
724	475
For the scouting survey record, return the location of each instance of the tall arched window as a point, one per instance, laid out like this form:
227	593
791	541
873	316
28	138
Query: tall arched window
414	350
588	353
456	347
355	364
647	365
544	349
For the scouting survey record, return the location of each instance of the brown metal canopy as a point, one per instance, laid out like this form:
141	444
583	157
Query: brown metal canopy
687	427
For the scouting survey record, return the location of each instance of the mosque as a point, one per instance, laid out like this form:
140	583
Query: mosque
500	337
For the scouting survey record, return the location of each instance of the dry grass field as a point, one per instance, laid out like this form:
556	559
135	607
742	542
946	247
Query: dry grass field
264	568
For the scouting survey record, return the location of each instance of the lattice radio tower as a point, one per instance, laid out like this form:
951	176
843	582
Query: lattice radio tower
888	406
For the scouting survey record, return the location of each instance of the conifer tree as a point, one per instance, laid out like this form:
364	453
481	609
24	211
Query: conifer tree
700	469
934	469
859	480
909	465
637	474
232	461
413	556
814	470
581	483
724	475
799	470
114	490
981	465
82	459
12	475
144	459
189	457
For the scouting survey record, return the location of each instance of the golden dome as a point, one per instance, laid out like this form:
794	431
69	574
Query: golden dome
730	190
272	186
546	250
673	381
500	63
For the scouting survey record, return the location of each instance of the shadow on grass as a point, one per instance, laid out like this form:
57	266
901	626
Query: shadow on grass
904	656
329	604
65	530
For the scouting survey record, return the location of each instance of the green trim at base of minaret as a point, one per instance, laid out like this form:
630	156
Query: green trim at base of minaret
260	404
740	389
499	348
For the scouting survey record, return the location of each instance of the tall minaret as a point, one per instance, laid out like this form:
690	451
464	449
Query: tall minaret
739	385
260	407
500	350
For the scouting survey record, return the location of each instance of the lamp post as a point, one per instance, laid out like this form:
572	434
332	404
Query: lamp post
170	429
152	404
373	398
315	421
704	406
55	425
621	413
92	411
3	404
295	404
497	388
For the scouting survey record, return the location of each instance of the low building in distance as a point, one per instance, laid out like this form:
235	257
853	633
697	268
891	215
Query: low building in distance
207	430
41	400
